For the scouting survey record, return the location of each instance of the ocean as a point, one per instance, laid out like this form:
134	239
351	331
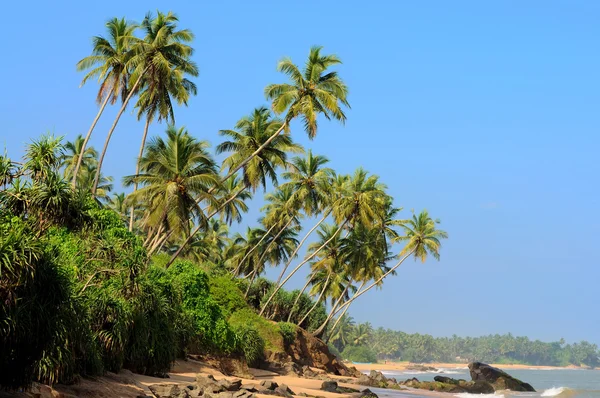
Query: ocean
559	383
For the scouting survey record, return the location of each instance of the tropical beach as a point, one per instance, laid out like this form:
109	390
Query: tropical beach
178	228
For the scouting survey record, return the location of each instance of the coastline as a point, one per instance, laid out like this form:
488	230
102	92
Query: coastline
402	366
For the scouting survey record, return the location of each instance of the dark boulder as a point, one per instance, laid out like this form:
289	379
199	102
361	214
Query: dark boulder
329	386
499	379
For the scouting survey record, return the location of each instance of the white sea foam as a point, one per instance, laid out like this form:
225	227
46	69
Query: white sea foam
467	395
554	391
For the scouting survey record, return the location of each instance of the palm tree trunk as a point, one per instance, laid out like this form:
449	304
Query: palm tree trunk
299	246
298	297
195	231
112	129
85	142
137	169
318	301
334	307
235	272
360	293
300	265
339	318
250	284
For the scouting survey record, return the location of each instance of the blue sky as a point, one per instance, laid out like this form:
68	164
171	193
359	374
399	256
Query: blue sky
485	113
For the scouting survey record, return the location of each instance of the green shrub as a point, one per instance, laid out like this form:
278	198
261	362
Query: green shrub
288	332
224	290
252	345
359	354
212	331
268	330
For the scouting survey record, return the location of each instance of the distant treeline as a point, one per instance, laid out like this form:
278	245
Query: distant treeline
362	342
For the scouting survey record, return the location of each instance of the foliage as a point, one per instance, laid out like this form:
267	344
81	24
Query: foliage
251	344
359	353
288	332
225	291
269	331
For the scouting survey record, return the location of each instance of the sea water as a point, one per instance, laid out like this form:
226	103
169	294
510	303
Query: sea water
558	383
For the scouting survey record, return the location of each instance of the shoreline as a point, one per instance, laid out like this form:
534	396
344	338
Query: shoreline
402	366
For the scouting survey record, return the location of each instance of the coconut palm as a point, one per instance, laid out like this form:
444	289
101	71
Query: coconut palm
365	251
328	258
359	199
232	210
422	240
108	63
340	337
361	334
211	244
176	172
312	185
71	154
87	175
313	92
166	54
252	132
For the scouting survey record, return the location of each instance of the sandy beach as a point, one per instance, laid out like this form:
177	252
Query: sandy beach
400	366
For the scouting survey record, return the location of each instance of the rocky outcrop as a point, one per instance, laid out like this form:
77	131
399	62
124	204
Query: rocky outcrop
421	368
306	350
446	384
499	379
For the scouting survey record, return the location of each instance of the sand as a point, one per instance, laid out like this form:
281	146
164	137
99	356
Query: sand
400	366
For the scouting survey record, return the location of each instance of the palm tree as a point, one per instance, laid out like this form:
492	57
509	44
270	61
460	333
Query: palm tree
340	337
109	64
87	175
175	174
210	245
422	239
361	334
359	199
159	56
166	54
365	251
328	258
308	95
72	152
312	189
231	210
251	132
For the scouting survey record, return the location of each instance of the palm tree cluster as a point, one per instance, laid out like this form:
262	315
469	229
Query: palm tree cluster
183	201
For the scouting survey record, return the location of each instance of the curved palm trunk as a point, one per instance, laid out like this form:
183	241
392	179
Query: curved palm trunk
372	285
298	297
299	246
237	269
112	129
86	140
250	284
195	231
334	307
318	301
300	265
137	169
339	318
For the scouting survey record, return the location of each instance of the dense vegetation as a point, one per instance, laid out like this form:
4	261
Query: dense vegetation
360	343
93	282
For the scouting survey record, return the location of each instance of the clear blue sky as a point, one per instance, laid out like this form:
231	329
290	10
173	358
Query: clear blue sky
485	113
